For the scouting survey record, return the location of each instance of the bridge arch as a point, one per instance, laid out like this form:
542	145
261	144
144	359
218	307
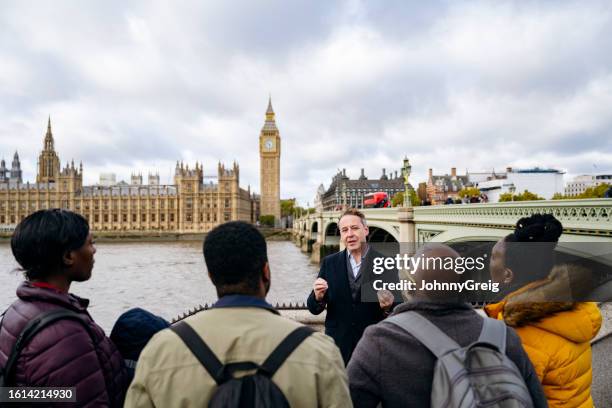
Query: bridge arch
331	234
380	234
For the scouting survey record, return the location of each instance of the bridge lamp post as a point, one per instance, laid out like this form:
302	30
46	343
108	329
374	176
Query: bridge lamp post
512	191
406	173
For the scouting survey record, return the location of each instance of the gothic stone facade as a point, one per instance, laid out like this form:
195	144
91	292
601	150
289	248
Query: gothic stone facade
189	205
345	193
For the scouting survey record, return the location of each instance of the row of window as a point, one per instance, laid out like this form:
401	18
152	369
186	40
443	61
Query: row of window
65	204
105	205
153	217
124	218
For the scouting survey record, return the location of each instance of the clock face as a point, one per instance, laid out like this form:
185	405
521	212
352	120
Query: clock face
268	144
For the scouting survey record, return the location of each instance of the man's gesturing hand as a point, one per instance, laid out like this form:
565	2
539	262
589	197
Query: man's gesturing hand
319	287
385	299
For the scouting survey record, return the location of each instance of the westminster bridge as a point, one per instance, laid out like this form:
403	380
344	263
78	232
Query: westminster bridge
584	220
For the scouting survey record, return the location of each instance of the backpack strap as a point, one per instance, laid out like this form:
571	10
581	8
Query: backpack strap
2	320
218	371
493	332
200	350
425	332
284	350
431	337
33	327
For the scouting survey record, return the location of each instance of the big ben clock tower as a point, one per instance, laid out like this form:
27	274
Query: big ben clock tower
269	159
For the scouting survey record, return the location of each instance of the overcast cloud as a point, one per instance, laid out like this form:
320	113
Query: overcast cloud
135	86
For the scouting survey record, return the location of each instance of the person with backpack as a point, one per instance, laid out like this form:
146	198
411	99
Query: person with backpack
60	345
436	351
556	331
241	352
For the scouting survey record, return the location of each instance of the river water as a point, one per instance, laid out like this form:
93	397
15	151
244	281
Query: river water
165	278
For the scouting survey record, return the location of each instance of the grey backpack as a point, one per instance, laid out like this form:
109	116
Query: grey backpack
479	375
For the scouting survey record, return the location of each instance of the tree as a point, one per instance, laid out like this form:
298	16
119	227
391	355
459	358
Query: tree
524	196
559	196
528	196
398	199
414	198
469	192
287	207
266	220
595	192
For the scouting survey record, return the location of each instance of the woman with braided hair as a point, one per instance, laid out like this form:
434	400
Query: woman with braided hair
555	330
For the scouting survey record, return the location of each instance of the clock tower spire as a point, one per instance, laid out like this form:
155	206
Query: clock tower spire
269	161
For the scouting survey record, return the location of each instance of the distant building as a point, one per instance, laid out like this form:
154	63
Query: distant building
475	177
4	172
108	179
153	179
136	179
269	166
318	200
345	193
580	183
188	205
542	182
440	188
14	175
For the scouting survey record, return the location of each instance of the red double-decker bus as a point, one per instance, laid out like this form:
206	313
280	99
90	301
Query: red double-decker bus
376	200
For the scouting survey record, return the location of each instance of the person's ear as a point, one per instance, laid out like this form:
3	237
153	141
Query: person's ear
68	259
266	272
508	275
367	230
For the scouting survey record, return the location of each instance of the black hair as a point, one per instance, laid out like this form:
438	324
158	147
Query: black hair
533	261
235	255
41	240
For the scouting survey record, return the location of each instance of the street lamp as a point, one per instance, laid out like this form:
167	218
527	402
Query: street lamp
406	173
512	190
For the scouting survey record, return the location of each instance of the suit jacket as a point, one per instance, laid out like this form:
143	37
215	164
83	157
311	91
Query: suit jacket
346	317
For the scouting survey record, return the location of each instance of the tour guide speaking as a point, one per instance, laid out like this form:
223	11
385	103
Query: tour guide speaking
344	286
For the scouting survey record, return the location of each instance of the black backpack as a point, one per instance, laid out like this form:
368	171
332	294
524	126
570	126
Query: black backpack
256	390
30	330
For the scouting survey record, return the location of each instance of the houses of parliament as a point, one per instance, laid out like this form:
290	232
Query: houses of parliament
188	206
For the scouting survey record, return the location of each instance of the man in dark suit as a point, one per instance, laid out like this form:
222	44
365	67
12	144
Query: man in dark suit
345	286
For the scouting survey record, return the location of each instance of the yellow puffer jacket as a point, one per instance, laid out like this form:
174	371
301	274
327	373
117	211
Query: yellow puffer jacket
556	336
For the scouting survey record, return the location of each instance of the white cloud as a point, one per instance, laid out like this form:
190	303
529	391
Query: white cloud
139	85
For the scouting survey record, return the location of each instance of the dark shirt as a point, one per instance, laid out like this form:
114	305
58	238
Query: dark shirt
243	301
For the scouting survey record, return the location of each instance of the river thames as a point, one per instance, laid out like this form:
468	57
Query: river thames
165	278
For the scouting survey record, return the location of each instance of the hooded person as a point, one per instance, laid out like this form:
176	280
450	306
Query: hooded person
132	332
555	330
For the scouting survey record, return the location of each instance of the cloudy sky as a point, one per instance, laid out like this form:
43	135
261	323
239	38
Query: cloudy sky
135	86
